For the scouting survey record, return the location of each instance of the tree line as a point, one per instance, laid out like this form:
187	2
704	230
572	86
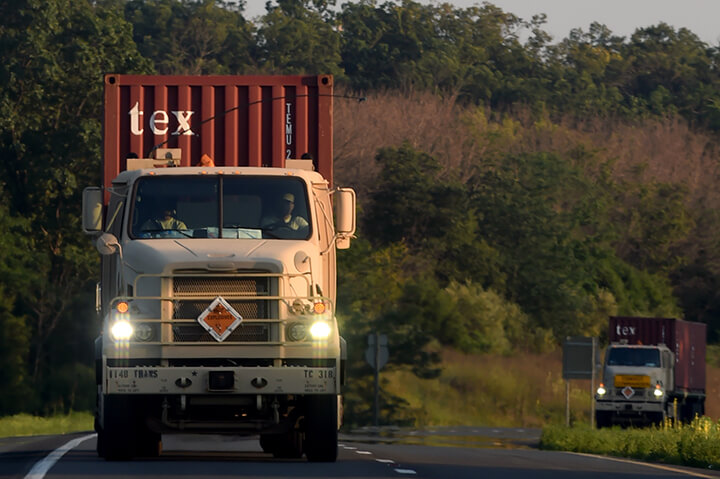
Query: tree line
508	246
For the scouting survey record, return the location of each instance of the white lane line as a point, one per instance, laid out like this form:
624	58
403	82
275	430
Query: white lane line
41	468
655	466
350	448
363	452
385	461
405	471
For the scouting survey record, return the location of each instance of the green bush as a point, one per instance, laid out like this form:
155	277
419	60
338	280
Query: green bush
696	444
27	425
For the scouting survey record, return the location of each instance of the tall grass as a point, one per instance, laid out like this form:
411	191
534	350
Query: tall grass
697	444
525	390
27	425
492	390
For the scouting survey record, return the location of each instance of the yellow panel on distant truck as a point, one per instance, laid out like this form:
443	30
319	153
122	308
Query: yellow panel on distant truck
633	381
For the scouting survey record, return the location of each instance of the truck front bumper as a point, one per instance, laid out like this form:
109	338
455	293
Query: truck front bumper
630	407
221	380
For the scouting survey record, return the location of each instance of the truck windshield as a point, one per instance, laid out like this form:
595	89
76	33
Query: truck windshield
634	357
249	207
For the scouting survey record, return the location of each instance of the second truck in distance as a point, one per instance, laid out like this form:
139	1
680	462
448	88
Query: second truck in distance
654	370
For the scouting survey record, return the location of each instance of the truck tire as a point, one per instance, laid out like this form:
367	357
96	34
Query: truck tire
321	428
147	443
117	435
286	446
603	419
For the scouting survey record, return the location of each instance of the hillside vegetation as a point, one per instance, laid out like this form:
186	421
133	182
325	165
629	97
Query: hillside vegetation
524	390
511	193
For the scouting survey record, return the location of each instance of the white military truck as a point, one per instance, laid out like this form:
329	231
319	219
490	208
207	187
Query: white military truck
217	290
654	370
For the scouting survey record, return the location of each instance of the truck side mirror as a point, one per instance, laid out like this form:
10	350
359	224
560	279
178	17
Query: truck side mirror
108	244
345	212
92	207
345	216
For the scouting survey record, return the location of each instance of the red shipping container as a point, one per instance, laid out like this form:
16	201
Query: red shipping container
685	338
235	120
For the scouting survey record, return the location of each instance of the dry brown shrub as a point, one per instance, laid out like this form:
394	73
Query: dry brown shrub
426	121
667	150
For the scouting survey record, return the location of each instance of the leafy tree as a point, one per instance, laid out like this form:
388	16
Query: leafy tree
53	56
294	39
193	37
15	327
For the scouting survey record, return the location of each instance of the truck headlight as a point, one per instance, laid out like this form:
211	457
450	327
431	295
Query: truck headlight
320	330
143	332
296	332
121	330
658	392
601	391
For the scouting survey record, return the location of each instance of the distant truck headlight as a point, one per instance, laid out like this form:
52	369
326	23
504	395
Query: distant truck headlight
320	330
601	391
121	330
658	392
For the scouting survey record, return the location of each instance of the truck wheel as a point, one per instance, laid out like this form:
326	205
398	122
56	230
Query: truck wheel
289	446
268	443
116	437
99	446
602	419
148	444
321	428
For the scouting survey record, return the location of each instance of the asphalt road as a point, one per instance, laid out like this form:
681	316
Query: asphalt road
457	453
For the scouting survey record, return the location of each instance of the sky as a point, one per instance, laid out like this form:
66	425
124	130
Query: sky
622	17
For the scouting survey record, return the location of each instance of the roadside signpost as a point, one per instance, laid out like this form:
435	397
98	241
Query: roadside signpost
579	362
377	355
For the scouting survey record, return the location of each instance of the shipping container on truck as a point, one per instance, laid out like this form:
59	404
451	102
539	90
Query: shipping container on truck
234	120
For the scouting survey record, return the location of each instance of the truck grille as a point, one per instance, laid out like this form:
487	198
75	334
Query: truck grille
201	291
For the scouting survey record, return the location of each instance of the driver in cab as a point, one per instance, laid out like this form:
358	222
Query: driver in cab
284	217
164	220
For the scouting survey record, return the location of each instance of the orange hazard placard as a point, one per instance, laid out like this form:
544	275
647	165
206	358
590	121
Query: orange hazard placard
219	319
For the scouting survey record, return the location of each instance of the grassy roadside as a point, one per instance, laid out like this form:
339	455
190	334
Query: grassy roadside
697	444
490	390
27	425
528	391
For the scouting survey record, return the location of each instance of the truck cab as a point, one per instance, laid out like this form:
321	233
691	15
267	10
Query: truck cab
634	384
218	304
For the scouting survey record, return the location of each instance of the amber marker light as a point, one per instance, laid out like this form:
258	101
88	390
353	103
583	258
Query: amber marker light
122	307
319	308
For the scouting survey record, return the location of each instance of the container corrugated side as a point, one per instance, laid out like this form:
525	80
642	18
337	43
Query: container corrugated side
235	120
